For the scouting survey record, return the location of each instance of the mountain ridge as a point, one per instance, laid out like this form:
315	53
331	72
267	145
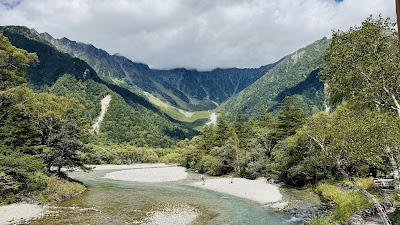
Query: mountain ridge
63	75
188	89
295	75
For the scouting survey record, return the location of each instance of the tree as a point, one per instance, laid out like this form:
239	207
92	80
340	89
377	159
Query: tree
351	137
13	64
221	131
60	126
362	65
290	118
265	118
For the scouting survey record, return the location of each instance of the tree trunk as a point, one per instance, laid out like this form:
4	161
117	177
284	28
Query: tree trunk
398	19
394	166
381	211
396	103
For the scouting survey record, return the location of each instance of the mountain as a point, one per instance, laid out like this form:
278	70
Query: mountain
130	118
190	90
295	75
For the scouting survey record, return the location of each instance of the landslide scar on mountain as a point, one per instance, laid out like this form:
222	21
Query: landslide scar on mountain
105	102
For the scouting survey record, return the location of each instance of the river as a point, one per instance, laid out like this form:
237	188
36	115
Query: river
123	202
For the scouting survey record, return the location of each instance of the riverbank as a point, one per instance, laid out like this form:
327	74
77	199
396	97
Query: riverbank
19	212
256	190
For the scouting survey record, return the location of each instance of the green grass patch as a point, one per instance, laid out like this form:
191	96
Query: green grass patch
366	183
58	189
345	202
177	114
328	192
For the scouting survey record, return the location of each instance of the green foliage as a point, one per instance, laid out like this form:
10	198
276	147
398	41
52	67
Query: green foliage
346	203
142	123
328	192
119	154
37	131
366	183
174	157
20	175
361	64
343	133
211	165
58	189
188	89
285	79
242	148
395	216
53	64
13	64
290	118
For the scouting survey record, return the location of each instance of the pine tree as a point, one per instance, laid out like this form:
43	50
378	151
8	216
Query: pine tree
290	118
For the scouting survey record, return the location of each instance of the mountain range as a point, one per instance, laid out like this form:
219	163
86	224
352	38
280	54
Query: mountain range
165	104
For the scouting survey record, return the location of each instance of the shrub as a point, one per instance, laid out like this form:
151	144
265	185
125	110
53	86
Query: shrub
211	165
172	158
58	189
328	192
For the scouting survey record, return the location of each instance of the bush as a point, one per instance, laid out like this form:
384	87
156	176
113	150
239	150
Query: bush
58	189
395	216
211	165
172	158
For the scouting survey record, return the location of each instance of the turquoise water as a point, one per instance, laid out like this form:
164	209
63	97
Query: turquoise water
121	202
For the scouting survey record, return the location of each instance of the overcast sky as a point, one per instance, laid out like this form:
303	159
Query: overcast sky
201	34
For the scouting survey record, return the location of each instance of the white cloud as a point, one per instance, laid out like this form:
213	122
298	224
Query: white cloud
191	33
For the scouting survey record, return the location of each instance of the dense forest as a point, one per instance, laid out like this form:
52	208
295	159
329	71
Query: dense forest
39	133
335	153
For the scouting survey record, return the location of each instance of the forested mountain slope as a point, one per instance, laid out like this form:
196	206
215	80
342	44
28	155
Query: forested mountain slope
187	89
296	75
130	117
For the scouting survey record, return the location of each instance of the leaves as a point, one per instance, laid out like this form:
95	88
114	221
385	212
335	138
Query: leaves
13	64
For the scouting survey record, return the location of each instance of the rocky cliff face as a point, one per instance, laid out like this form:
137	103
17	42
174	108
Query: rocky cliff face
187	89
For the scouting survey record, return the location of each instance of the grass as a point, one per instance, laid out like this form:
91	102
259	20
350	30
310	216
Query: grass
366	183
176	114
58	189
345	202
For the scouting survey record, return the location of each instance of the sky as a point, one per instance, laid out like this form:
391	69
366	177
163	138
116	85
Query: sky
194	34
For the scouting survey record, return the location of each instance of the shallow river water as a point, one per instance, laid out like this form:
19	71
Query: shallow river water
122	202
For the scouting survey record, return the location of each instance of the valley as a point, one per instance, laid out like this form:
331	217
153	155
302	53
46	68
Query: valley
97	138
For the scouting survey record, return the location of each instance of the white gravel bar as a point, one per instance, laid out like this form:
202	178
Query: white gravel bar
150	175
256	190
10	214
131	166
177	215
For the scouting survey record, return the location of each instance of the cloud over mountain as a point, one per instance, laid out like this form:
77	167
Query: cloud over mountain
190	33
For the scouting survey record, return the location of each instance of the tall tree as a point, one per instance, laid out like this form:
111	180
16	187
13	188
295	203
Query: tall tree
13	64
60	126
221	131
362	64
351	137
290	118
